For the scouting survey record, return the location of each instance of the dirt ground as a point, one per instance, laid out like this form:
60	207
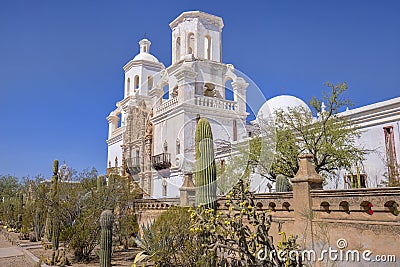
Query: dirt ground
18	261
120	257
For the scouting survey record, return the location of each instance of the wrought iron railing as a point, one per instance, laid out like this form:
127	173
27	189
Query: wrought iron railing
161	161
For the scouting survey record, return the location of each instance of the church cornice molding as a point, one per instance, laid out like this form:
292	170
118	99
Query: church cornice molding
114	139
195	109
155	66
374	114
206	19
215	65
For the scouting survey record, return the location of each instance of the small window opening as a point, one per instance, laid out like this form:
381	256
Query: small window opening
207	47
149	82
190	43
136	85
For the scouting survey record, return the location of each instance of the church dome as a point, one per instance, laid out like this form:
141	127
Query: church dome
145	52
283	102
145	56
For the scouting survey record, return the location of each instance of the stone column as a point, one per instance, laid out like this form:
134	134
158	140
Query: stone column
186	76
239	93
305	180
112	124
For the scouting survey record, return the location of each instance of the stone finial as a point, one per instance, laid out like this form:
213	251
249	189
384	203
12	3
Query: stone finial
188	182
307	173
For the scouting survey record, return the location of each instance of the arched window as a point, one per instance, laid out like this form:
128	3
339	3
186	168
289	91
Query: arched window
207	47
136	85
229	90
128	86
166	91
178	49
178	146
190	44
149	82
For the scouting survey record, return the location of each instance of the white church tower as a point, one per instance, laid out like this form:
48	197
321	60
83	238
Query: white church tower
140	76
196	88
152	130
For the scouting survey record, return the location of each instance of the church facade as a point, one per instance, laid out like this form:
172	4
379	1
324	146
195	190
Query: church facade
151	130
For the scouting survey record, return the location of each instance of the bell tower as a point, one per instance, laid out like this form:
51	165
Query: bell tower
197	35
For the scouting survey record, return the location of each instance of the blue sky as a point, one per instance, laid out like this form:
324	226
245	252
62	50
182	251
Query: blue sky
61	63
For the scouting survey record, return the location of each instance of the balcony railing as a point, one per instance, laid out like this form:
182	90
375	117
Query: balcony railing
167	105
161	161
216	103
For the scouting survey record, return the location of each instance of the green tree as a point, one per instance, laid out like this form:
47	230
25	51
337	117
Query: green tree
10	206
9	186
330	138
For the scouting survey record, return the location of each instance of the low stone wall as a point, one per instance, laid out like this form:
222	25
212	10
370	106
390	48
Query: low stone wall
365	218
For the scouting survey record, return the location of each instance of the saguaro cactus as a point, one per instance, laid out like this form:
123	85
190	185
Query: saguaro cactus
54	196
206	174
282	184
106	223
100	182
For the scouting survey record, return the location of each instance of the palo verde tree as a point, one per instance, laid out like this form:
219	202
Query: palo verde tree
324	133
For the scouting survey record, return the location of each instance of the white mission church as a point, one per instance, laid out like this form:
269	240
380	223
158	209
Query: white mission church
151	131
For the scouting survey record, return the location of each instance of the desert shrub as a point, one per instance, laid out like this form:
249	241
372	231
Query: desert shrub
169	242
239	235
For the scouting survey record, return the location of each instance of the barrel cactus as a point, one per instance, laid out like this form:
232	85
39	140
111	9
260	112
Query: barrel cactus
206	174
106	223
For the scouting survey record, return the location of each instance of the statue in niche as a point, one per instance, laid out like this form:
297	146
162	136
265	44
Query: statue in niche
149	134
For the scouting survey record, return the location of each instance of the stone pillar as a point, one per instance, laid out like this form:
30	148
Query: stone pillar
112	124
305	180
186	76
239	93
187	190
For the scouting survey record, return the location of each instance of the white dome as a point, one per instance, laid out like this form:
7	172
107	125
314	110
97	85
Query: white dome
283	102
145	56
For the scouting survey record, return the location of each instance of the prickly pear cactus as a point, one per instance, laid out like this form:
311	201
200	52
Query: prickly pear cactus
206	174
106	223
